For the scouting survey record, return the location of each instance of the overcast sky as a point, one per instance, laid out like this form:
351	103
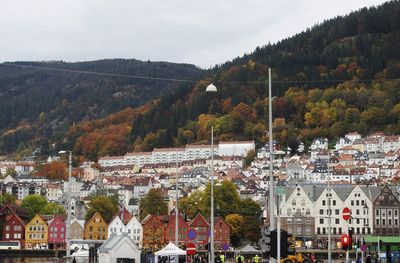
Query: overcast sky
200	32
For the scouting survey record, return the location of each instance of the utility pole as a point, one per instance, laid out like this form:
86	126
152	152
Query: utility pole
68	226
271	163
329	211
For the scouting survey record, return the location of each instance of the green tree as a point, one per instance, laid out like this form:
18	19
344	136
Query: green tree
7	198
226	199
190	205
34	204
52	209
153	203
251	155
104	205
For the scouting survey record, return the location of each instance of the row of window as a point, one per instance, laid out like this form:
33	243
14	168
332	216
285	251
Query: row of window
36	236
389	212
55	235
389	222
16	228
55	229
37	228
351	221
16	236
135	231
338	231
299	220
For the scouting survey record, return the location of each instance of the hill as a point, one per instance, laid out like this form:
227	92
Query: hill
339	76
37	105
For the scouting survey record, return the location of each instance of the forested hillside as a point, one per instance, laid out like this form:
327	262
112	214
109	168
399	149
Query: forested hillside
339	76
37	105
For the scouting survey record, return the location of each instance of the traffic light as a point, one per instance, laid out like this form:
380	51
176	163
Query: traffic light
345	242
285	248
350	246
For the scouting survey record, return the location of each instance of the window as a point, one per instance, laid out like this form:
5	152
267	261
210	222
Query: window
337	212
7	227
357	202
334	202
337	221
352	202
377	222
7	236
323	202
294	202
321	220
321	211
377	212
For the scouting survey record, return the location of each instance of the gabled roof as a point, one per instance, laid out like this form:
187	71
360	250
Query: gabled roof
115	240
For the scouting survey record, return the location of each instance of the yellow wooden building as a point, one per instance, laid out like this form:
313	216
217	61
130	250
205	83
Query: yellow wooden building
36	233
96	228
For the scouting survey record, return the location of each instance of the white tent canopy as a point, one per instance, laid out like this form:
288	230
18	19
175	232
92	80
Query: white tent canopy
169	250
247	249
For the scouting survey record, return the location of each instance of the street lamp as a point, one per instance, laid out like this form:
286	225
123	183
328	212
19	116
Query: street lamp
212	89
68	225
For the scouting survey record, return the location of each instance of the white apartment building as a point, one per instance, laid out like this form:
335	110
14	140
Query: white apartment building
111	161
167	155
236	148
137	158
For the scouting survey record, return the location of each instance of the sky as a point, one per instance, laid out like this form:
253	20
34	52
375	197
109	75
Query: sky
200	32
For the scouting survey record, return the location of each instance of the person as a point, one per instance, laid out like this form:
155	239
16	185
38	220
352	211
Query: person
255	259
218	259
239	259
222	258
73	260
312	257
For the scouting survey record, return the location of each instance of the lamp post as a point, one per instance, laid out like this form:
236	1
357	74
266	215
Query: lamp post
176	208
212	89
68	225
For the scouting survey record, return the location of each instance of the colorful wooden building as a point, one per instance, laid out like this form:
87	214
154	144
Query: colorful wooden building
222	234
202	228
57	233
8	209
77	229
14	229
36	233
96	228
183	228
154	232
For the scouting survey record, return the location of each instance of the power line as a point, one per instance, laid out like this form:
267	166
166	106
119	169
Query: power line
187	80
98	73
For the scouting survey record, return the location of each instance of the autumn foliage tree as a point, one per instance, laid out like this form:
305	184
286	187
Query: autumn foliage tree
53	170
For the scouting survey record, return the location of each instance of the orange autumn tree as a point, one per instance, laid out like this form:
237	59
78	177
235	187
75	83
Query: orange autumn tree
53	170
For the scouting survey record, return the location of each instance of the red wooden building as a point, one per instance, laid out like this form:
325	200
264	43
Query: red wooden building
57	233
154	232
12	222
183	228
202	228
222	234
14	229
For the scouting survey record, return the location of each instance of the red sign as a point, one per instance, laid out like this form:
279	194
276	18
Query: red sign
191	249
346	213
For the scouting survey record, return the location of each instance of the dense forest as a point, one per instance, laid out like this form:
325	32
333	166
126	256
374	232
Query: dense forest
339	76
37	105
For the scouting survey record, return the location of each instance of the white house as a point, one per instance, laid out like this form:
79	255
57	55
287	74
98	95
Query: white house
119	248
127	223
